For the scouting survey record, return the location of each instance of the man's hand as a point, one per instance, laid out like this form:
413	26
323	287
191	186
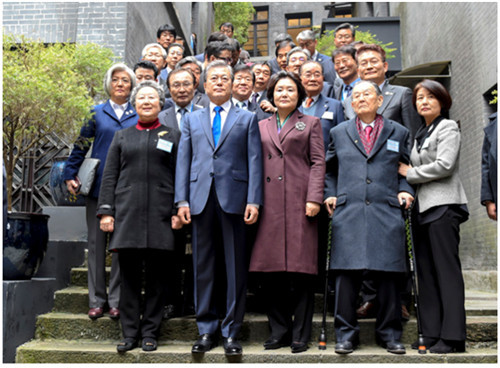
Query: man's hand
406	196
330	204
184	214
491	209
107	223
176	223
251	214
72	186
312	209
268	107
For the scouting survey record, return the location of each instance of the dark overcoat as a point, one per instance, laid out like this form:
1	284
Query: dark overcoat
294	170
138	187
368	227
489	175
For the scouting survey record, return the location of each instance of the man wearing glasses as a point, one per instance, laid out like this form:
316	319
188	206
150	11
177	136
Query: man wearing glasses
307	40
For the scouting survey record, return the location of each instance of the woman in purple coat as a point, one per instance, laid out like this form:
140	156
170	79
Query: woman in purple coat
285	249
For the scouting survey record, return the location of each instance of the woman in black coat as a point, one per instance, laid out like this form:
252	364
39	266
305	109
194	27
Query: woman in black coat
136	203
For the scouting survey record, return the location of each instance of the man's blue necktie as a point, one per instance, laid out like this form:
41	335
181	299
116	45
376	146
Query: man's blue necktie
216	124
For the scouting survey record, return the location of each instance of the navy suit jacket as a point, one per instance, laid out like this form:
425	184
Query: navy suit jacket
102	127
167	117
328	68
234	166
325	106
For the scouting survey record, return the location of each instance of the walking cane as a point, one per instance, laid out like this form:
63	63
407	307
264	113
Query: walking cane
322	335
413	270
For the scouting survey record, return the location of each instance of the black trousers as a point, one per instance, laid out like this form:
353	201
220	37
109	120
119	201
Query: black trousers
441	285
290	304
388	326
132	263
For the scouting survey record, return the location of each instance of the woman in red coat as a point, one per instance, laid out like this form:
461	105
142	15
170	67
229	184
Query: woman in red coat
285	250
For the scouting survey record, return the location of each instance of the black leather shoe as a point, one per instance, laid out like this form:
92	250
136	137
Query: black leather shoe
344	347
299	347
447	347
204	343
273	343
232	346
149	344
126	344
428	342
394	347
366	310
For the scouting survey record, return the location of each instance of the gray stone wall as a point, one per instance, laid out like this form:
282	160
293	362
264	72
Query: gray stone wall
464	33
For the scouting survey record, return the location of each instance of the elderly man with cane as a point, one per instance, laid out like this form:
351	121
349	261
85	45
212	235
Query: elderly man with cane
364	192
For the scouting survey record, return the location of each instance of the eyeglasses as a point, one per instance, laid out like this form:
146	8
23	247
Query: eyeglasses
240	79
178	53
345	36
306	43
295	59
178	85
309	75
154	55
264	72
214	79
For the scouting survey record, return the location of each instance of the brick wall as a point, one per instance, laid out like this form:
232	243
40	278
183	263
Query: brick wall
464	33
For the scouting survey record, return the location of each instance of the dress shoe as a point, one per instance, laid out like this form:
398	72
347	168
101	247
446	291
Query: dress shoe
428	342
273	343
126	344
344	347
299	347
95	313
204	343
232	346
366	310
448	346
114	313
149	344
405	315
394	347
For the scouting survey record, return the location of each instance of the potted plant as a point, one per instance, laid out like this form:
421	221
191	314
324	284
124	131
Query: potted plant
48	91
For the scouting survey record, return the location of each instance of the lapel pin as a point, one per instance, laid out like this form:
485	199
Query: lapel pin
300	125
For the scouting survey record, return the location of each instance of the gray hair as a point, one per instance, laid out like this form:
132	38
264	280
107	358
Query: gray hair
371	83
148	83
189	60
119	67
157	45
297	49
218	64
345	26
312	62
306	35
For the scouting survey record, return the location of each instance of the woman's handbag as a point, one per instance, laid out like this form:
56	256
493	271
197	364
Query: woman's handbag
86	174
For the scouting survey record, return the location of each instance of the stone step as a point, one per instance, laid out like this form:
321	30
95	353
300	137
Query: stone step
74	299
255	328
60	351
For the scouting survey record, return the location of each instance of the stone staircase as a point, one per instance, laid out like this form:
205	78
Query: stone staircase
67	335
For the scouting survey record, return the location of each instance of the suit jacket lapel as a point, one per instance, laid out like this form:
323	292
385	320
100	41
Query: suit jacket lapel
207	126
353	134
108	109
232	117
388	93
290	125
321	106
385	133
272	129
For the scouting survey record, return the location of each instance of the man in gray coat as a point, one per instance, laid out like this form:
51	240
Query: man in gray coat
368	227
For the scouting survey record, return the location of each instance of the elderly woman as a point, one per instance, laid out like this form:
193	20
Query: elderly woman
285	250
440	208
115	114
136	204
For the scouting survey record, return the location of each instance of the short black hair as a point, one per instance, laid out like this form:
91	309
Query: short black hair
146	64
166	27
284	44
227	24
282	37
216	36
347	49
282	75
215	48
175	45
244	68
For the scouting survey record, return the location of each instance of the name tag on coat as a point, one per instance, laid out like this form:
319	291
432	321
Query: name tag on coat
392	145
164	145
327	115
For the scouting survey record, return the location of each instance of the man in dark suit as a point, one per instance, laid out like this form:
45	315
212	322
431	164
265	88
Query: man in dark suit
307	40
368	228
489	169
274	62
219	188
397	105
262	73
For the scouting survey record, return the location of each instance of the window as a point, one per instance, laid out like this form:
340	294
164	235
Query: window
342	10
258	33
296	23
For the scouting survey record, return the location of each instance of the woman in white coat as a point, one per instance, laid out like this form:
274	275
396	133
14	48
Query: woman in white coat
440	209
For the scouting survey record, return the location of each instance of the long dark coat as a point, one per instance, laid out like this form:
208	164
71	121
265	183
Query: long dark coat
368	227
294	170
138	188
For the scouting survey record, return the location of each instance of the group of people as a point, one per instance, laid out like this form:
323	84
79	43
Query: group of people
224	167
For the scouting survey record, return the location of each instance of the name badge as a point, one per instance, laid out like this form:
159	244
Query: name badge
426	143
392	145
327	115
164	145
